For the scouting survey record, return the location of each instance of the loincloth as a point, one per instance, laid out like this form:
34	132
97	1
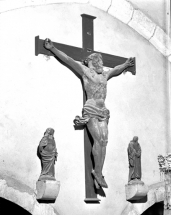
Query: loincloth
91	110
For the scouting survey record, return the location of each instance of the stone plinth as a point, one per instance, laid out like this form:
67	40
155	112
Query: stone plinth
47	190
136	191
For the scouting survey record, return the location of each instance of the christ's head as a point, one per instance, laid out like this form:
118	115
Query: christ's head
95	62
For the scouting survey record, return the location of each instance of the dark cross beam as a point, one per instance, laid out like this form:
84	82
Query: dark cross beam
79	54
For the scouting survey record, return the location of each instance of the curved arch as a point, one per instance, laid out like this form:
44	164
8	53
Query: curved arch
156	209
123	10
8	206
17	194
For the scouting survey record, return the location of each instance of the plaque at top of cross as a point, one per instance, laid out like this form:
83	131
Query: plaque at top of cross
95	115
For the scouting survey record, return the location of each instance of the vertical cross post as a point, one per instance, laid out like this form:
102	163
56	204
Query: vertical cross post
87	34
88	47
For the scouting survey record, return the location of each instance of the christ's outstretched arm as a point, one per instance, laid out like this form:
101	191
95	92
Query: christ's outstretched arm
117	70
80	69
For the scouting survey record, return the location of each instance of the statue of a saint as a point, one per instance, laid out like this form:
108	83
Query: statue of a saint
48	155
95	115
134	157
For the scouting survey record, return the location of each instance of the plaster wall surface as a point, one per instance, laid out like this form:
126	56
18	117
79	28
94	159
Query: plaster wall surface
39	92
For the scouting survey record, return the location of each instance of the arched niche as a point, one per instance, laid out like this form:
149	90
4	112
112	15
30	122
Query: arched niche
8	207
157	209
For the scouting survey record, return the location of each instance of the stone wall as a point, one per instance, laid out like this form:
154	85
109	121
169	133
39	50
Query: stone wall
39	92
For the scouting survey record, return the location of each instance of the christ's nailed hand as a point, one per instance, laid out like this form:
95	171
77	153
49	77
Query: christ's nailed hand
48	44
129	62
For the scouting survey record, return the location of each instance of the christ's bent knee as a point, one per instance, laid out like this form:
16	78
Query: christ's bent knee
104	142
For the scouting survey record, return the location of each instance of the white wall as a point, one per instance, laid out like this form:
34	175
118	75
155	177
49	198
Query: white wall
37	93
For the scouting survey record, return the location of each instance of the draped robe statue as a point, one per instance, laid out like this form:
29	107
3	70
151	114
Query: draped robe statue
48	155
134	157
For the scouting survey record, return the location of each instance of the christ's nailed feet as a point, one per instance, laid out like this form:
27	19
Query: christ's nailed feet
99	180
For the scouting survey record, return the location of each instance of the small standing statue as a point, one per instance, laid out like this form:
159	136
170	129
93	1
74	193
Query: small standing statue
134	157
48	155
47	187
135	189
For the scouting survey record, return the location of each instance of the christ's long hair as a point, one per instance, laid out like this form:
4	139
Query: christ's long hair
91	57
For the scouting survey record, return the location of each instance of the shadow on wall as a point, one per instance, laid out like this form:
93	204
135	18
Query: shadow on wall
8	207
156	209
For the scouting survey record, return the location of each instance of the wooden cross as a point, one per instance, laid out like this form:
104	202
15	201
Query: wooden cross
79	54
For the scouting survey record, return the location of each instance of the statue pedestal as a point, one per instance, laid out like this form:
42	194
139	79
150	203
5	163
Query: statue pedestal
136	191
47	189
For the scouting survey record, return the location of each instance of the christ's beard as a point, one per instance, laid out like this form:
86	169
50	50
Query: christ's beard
99	69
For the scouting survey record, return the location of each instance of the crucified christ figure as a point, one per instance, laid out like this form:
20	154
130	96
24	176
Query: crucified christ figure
95	115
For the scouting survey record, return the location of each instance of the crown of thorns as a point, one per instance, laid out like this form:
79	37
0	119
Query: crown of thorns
91	57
